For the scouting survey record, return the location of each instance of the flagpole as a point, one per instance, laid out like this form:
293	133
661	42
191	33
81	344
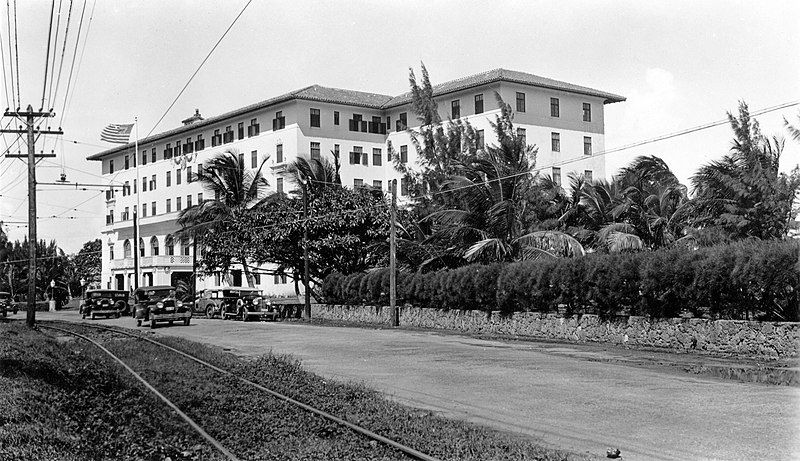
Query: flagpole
136	233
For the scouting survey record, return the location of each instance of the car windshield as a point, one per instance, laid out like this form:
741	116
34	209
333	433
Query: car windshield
155	294
107	294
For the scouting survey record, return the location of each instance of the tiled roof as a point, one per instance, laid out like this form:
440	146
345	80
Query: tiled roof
506	75
373	100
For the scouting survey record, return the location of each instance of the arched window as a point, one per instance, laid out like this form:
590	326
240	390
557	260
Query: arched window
185	248
169	245
126	249
141	247
154	246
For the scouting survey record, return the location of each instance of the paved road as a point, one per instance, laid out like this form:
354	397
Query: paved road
584	406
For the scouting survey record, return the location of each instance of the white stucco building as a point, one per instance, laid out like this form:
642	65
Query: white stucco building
564	120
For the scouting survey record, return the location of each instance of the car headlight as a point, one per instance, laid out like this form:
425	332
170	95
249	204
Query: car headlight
179	303
256	301
160	305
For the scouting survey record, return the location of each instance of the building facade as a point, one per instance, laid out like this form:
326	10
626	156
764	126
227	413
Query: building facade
563	120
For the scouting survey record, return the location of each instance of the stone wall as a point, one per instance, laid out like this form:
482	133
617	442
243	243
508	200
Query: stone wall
739	337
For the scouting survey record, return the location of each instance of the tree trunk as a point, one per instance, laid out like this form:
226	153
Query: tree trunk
250	281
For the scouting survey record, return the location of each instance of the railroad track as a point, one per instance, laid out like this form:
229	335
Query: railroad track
406	450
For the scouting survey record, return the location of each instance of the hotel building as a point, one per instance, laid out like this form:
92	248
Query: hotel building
565	122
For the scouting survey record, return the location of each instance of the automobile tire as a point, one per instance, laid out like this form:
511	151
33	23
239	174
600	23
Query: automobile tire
138	322
93	316
243	315
186	321
152	323
210	311
15	310
170	323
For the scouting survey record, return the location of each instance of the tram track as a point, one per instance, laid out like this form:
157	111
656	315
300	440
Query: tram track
407	451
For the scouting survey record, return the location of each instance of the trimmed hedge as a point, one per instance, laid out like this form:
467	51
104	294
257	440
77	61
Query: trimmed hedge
738	281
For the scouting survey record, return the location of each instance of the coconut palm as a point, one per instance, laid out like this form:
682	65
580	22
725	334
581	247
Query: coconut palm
236	189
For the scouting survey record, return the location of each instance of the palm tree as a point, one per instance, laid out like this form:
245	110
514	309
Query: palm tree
236	189
743	194
319	173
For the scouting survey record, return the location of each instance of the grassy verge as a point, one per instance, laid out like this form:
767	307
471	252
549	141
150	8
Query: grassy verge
68	402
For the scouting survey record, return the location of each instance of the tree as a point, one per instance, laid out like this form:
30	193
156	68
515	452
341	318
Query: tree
236	189
88	261
743	194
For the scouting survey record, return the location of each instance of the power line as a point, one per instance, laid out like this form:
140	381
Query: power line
198	68
10	59
67	94
47	57
16	51
55	47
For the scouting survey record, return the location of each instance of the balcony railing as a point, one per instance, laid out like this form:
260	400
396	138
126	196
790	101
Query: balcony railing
153	261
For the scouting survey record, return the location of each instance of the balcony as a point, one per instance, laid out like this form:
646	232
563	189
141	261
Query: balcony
176	261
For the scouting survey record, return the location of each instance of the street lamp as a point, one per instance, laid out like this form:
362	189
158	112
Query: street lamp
52	287
83	287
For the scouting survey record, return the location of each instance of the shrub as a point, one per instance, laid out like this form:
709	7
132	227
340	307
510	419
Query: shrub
332	288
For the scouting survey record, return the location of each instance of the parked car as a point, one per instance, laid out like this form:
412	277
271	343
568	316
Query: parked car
235	302
158	304
107	303
7	304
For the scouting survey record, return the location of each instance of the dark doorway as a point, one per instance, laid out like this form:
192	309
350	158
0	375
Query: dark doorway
237	278
119	279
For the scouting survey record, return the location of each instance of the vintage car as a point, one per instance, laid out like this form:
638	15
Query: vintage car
235	302
6	304
158	304
107	303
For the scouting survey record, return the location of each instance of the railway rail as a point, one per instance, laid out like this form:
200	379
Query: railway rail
406	450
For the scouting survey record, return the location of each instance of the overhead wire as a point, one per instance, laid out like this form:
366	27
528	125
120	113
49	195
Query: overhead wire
10	58
16	51
55	49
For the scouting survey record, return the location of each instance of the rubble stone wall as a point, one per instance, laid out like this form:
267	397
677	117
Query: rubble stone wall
739	337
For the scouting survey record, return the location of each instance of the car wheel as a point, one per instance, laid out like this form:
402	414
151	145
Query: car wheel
210	311
152	322
15	310
138	322
186	321
170	323
93	316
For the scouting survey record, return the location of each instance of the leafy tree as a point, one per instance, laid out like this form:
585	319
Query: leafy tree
236	189
743	194
88	261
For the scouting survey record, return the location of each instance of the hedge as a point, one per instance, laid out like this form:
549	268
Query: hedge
744	280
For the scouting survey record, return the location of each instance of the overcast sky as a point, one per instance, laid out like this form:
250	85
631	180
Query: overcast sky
680	64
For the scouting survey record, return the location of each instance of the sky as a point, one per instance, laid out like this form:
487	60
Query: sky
680	64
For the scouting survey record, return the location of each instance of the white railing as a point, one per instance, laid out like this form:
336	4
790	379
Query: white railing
152	261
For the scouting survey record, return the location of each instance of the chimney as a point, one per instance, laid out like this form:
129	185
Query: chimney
194	118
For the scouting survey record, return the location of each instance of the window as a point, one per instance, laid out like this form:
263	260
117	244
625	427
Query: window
167	151
241	158
376	184
587	112
153	155
455	109
587	174
336	151
254	159
200	143
480	141
144	184
388	123
315	118
279	122
144	211
357	123
111	252
153	208
364	159
279	185
375	126
154	246
216	140
185	248
557	176
554	109
240	130
126	188
521	134
402	123
188	201
127	162
279	279
315	151
169	178
141	247
478	103
177	204
110	166
377	156
169	245
254	129
199	198
587	145
144	158
555	142
520	102
336	117
134	186
126	214
279	153
153	182
403	154
169	205
358	183
355	156
126	249
404	185
189	175
228	135
178	177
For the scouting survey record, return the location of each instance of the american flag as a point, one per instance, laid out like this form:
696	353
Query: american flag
118	134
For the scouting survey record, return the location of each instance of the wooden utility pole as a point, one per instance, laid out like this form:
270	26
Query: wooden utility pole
393	257
30	130
304	183
135	250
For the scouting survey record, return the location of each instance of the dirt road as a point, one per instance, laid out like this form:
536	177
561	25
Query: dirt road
572	403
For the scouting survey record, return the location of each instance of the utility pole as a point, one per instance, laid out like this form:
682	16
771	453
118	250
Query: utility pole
30	130
393	257
135	250
304	183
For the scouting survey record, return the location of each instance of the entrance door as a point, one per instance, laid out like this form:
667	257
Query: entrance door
237	278
120	281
